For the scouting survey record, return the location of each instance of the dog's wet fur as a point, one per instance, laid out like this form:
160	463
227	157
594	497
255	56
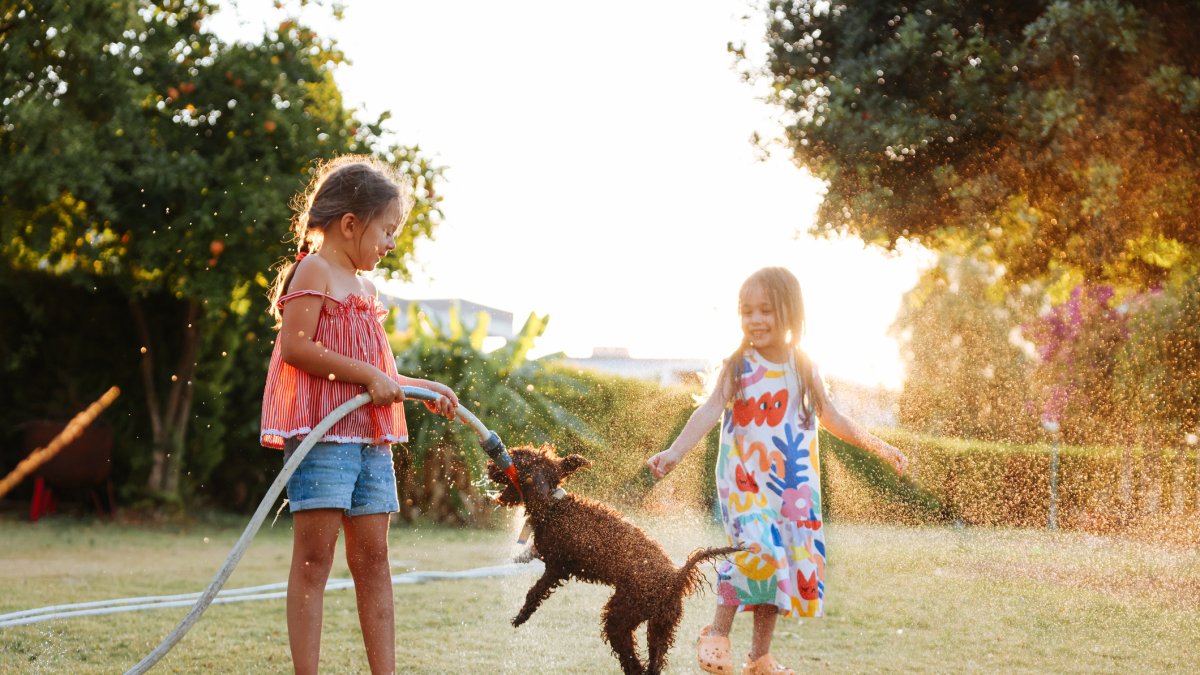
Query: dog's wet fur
584	539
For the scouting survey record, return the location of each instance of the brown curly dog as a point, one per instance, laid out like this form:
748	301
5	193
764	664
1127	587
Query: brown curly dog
582	538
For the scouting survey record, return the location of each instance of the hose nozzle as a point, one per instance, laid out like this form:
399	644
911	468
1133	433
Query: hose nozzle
494	447
490	440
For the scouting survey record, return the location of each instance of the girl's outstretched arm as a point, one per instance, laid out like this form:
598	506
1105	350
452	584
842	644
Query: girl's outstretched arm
850	431
702	419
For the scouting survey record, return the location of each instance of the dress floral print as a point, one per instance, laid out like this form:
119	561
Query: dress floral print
769	489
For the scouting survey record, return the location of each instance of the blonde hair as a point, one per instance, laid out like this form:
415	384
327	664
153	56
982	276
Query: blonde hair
357	184
783	292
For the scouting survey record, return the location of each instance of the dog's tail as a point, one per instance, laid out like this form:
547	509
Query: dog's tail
691	576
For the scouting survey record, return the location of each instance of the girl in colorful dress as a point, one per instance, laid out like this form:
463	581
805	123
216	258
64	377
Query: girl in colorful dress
769	397
331	345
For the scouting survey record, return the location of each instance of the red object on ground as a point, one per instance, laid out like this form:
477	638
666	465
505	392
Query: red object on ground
82	466
43	502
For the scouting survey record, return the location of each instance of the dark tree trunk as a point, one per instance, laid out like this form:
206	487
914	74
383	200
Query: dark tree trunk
168	419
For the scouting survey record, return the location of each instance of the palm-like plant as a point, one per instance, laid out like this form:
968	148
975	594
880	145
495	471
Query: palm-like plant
441	474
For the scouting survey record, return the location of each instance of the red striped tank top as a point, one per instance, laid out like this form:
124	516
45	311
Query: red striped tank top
295	401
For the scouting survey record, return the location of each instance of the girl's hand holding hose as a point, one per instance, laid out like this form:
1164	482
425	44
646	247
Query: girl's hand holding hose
444	406
447	403
384	390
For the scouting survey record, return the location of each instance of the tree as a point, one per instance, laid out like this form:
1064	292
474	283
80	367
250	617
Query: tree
967	373
1058	139
140	149
1159	367
1158	381
1124	372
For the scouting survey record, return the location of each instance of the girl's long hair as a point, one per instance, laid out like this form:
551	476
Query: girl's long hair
783	292
357	184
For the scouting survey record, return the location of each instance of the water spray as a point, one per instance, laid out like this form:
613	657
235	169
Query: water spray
492	446
489	440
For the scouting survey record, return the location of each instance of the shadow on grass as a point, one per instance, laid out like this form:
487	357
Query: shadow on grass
882	486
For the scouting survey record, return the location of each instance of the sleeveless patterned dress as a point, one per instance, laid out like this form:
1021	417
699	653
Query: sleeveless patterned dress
769	490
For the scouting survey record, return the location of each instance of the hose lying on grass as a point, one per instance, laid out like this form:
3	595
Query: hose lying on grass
263	592
488	439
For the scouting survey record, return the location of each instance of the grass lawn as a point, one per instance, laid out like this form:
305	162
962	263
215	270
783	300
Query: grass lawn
898	600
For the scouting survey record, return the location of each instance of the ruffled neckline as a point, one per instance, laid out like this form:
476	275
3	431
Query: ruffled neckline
354	303
357	300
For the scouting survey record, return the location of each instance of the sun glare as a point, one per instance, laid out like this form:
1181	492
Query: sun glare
852	295
650	262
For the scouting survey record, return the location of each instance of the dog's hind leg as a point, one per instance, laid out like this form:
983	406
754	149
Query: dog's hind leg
660	635
545	585
620	623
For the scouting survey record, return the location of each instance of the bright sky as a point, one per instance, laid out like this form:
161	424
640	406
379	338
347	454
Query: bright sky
600	171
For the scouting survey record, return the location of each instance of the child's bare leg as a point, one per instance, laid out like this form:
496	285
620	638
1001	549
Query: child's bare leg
314	535
712	647
764	628
367	557
723	619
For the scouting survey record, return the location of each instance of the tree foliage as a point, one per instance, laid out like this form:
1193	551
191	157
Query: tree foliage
1124	373
1158	372
1079	344
988	364
141	150
1058	139
968	375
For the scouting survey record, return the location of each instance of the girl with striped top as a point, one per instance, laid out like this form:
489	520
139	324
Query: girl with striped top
331	344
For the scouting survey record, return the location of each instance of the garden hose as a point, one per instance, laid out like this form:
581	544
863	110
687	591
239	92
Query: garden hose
492	445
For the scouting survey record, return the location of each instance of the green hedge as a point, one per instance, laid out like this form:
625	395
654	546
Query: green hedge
636	419
993	484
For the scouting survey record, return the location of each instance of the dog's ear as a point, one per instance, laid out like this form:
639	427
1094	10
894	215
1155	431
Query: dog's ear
572	463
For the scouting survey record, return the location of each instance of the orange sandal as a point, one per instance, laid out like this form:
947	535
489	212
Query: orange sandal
766	664
712	652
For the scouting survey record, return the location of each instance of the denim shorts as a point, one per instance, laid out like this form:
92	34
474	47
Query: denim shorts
357	478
